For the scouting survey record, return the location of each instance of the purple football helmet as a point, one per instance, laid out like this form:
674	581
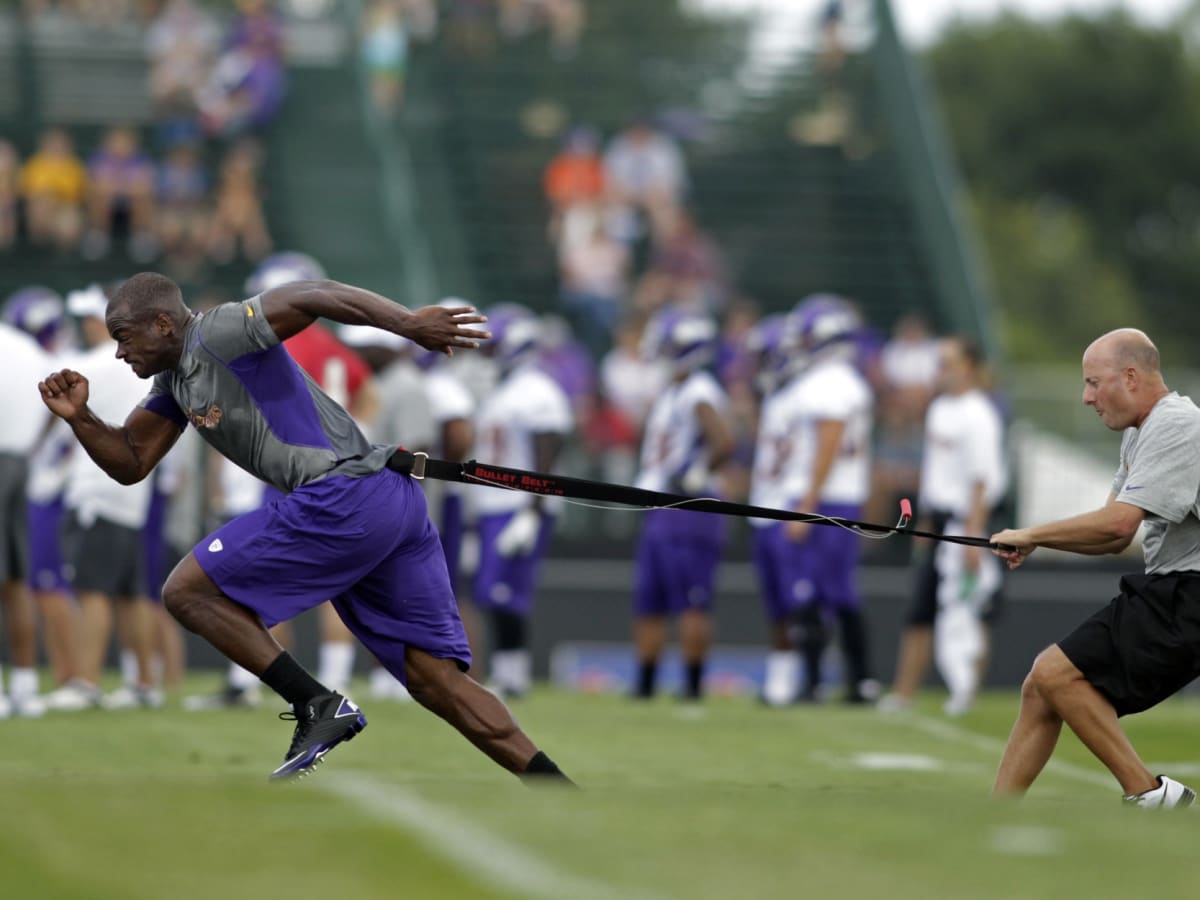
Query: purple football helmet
768	351
687	340
283	268
38	311
821	320
516	335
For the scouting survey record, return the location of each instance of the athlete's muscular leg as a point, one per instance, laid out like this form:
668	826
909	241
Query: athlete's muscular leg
477	713
192	598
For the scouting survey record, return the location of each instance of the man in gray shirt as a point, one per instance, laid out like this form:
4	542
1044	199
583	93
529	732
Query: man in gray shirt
352	525
1143	646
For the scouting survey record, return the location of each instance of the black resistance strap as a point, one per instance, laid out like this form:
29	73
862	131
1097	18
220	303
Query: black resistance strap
421	465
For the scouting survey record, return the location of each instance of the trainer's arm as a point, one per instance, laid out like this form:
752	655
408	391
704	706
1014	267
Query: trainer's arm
127	453
718	436
290	308
1109	529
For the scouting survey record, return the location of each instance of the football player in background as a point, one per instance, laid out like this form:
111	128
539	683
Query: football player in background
23	426
686	440
830	406
522	424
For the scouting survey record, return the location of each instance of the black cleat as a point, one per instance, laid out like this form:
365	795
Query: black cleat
321	724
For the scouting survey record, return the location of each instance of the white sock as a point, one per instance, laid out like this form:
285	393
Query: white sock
242	679
782	679
958	642
385	684
336	664
23	683
129	668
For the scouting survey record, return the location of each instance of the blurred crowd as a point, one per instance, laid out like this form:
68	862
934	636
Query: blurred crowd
186	188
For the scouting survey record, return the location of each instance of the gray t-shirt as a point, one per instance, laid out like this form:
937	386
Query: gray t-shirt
1160	473
246	396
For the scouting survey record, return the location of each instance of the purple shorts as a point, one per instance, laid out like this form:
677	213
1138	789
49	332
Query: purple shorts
47	567
828	559
779	564
366	544
675	568
507	583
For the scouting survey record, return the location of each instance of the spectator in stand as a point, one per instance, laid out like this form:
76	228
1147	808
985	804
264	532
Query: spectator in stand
181	46
184	209
52	184
685	271
121	197
594	278
249	81
574	178
238	214
9	171
384	48
564	18
645	170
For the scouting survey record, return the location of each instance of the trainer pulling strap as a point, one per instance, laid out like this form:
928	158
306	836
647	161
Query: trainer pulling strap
421	465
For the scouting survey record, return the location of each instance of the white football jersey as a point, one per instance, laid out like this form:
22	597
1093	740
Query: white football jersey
113	392
50	460
787	444
964	445
448	397
674	441
526	403
21	408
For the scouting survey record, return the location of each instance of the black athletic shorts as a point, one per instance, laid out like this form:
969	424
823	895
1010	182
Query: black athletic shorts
104	557
1145	645
14	518
924	606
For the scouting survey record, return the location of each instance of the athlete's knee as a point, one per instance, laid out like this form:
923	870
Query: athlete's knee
430	680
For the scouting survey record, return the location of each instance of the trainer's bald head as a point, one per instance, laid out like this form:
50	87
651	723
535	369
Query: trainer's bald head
1126	348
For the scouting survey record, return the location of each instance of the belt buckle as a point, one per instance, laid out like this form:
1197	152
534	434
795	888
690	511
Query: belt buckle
418	466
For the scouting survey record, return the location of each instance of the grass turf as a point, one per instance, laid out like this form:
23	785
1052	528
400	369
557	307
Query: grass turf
722	800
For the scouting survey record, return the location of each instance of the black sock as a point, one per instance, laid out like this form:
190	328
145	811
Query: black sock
854	646
647	675
812	637
289	680
693	687
542	766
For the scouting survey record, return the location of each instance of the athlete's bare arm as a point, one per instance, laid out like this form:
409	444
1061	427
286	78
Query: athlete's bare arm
129	452
291	308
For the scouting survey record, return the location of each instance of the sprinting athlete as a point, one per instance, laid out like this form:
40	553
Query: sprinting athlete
349	527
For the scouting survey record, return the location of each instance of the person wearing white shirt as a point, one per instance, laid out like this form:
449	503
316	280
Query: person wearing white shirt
25	364
521	425
687	439
963	478
103	531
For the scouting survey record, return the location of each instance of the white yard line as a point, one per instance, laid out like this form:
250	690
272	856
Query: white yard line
947	731
489	858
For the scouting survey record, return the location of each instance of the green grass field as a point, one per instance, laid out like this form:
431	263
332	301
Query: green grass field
724	800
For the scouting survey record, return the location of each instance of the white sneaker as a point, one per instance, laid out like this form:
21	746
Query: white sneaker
958	706
893	703
1169	794
30	707
74	696
132	697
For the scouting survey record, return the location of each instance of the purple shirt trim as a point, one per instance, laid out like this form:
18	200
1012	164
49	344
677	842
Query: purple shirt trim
165	406
279	389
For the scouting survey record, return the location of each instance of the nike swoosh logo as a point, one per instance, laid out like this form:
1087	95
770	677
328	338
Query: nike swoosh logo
1133	487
